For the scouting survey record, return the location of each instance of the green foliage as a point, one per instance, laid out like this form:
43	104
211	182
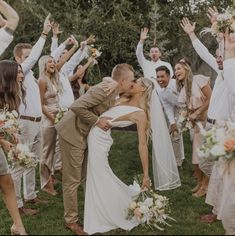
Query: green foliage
117	24
125	162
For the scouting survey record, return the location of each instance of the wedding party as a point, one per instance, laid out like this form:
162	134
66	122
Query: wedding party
117	117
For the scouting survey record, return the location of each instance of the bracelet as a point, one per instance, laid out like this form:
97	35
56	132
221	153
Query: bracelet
44	34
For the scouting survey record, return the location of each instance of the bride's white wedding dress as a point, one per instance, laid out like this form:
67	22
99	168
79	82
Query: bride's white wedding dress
106	196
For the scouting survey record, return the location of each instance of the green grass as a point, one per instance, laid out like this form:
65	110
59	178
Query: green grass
125	163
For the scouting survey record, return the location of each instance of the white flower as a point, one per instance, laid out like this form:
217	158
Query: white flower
148	202
220	134
144	209
217	150
158	204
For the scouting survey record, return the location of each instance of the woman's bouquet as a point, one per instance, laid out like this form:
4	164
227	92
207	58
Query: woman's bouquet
94	52
219	142
20	155
149	208
9	123
60	114
224	21
183	122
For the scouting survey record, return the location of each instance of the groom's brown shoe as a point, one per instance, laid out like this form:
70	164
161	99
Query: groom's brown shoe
76	228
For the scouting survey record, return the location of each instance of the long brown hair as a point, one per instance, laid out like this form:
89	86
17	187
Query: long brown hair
187	83
11	93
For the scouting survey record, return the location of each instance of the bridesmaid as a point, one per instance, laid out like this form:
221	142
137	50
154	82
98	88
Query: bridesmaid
11	94
50	87
78	79
195	93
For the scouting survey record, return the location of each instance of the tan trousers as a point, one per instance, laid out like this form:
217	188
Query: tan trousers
74	162
178	146
49	134
31	135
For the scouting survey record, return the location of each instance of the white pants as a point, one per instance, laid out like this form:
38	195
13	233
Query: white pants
31	135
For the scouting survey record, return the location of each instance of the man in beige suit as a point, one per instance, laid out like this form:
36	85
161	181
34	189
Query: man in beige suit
73	130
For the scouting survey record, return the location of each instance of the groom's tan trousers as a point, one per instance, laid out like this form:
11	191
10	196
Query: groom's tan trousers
74	162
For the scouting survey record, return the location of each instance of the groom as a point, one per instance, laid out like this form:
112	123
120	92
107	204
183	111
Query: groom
73	130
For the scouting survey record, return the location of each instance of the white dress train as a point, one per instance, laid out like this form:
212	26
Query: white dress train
106	196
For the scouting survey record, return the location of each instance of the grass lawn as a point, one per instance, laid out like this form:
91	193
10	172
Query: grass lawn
125	162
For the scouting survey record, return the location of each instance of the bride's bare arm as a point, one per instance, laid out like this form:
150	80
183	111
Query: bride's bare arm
140	119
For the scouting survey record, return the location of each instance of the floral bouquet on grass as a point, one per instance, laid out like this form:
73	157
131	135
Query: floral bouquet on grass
183	122
60	114
149	208
20	155
219	142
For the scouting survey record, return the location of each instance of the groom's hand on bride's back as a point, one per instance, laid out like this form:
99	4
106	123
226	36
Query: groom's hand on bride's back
104	123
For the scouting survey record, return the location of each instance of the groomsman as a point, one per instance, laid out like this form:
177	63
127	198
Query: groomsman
147	66
169	98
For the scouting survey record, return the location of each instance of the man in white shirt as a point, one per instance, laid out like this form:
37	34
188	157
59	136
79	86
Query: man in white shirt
147	66
30	118
8	26
168	95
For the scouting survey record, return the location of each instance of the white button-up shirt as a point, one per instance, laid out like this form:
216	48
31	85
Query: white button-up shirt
33	100
5	40
149	67
169	99
67	98
219	105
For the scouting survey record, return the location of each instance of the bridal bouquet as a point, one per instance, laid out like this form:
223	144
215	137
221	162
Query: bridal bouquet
20	155
183	122
149	208
224	21
9	124
60	114
94	52
219	142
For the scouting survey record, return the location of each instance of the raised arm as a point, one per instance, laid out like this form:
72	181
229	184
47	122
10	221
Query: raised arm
36	51
201	50
56	31
140	47
68	54
11	15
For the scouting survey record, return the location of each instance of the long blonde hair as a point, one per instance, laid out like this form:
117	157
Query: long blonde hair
187	81
144	102
54	79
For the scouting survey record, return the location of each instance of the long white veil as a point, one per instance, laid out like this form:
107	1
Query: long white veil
165	171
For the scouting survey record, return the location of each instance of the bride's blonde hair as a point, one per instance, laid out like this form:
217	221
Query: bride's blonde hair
144	102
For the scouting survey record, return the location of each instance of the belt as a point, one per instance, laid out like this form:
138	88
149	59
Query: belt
31	118
212	121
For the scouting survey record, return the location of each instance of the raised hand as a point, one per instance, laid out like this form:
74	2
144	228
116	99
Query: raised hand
187	26
143	34
47	25
2	21
91	39
212	14
229	43
56	29
74	41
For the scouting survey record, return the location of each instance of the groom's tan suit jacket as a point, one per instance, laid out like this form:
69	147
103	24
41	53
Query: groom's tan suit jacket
83	114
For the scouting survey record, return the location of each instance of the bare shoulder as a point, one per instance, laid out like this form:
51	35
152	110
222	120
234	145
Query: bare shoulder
139	116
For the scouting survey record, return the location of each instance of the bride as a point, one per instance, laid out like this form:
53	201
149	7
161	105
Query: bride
106	196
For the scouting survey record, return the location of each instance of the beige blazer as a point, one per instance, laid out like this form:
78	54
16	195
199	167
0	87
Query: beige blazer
83	114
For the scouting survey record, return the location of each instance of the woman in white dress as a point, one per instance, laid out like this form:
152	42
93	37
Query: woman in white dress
107	197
